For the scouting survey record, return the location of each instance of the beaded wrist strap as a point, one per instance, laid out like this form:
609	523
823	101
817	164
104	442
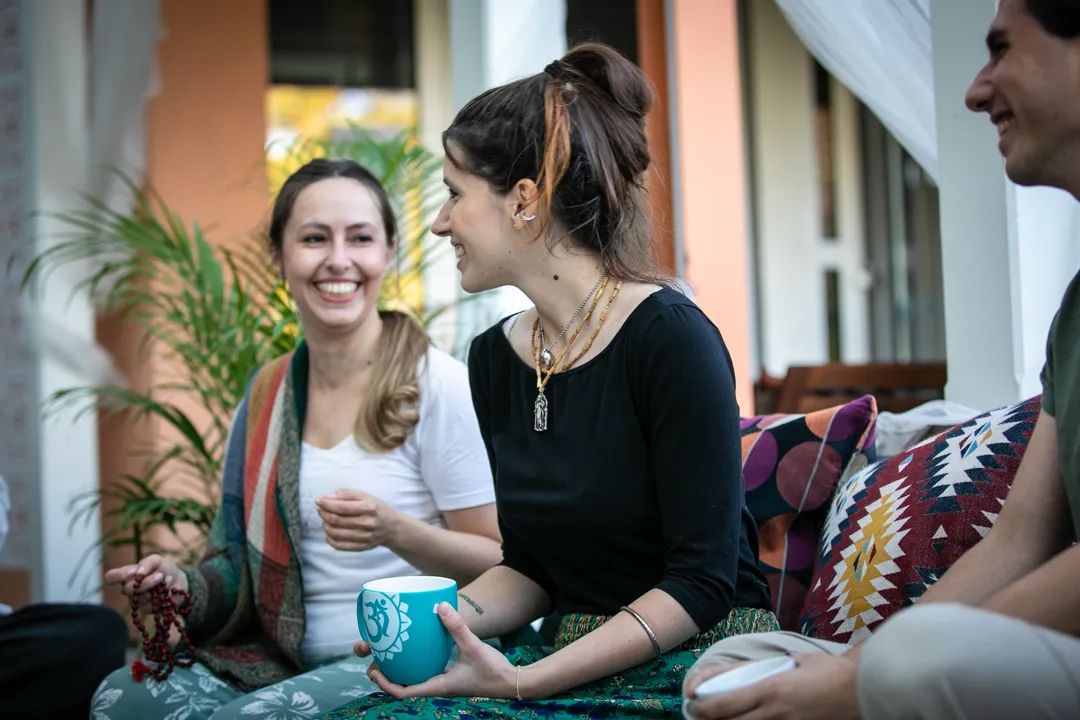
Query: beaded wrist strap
165	610
648	630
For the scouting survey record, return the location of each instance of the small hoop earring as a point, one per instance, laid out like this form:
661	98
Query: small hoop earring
525	217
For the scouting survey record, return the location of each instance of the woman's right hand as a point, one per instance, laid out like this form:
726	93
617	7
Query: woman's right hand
155	569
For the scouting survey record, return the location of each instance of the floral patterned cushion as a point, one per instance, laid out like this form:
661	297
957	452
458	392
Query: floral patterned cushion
895	527
792	464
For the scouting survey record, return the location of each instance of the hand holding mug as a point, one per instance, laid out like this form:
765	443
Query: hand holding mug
356	521
480	670
408	627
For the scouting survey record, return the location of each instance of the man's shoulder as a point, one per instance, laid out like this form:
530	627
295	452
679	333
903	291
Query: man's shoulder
1066	324
1070	300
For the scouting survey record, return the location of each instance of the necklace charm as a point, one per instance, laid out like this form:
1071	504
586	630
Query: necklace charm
540	412
546	362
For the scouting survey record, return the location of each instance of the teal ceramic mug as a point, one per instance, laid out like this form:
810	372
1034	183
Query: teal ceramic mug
399	619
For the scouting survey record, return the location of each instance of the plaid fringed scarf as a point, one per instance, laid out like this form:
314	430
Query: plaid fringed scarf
247	621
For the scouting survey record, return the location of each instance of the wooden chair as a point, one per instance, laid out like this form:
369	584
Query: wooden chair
767	393
14	587
897	387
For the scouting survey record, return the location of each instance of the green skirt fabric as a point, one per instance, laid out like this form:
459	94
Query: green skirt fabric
650	690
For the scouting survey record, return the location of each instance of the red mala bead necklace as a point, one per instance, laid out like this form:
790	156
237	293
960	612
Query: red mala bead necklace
167	611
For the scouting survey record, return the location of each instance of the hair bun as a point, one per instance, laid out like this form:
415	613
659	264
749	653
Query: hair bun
613	73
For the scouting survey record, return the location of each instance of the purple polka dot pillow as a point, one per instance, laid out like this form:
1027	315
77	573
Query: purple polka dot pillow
792	465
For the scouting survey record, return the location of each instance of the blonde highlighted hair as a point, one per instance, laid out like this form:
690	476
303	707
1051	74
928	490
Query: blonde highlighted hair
391	407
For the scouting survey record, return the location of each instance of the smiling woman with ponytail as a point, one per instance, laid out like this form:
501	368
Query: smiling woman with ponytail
609	415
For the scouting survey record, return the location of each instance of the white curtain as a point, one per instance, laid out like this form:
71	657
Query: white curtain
123	78
881	51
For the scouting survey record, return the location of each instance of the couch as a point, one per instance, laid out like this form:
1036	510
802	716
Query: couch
847	538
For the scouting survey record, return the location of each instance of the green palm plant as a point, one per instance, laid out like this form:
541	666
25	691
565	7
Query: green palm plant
218	314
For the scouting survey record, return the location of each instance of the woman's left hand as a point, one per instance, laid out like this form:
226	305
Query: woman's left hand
480	671
355	521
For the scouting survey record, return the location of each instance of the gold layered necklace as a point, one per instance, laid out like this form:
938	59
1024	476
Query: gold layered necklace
547	359
546	366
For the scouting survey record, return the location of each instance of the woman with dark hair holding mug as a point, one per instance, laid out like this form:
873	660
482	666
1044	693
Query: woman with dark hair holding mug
353	458
608	412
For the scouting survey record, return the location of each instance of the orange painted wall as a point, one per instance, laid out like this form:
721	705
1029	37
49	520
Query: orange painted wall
652	56
207	129
712	178
206	132
208	125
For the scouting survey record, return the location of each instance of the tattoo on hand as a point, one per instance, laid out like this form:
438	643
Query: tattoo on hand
472	603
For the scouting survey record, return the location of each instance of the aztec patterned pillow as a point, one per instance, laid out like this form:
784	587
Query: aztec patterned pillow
791	465
895	527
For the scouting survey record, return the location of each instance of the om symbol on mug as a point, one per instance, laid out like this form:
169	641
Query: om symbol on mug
386	623
380	618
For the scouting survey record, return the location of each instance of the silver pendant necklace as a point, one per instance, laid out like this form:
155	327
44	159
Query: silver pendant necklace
547	358
540	410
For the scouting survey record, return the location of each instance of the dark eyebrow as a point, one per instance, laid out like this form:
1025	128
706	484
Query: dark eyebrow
326	228
995	39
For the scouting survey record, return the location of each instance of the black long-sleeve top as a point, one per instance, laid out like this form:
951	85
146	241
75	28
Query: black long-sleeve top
637	482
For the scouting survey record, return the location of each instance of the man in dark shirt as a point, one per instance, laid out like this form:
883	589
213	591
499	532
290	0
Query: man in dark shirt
999	635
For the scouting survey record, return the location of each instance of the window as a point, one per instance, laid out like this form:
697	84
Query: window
903	250
832	315
826	161
334	65
342	43
609	21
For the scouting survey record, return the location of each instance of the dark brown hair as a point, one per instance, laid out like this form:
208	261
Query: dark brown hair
578	131
1060	18
390	408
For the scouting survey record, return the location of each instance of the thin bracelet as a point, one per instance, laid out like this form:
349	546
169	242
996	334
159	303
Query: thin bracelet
652	636
517	685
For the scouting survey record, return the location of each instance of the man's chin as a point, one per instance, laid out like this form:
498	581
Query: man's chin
1029	164
1021	172
1024	180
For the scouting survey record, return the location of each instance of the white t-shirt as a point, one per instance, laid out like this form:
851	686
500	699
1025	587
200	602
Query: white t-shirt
442	466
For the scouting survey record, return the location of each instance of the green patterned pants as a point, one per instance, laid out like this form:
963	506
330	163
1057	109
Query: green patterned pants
196	694
650	690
